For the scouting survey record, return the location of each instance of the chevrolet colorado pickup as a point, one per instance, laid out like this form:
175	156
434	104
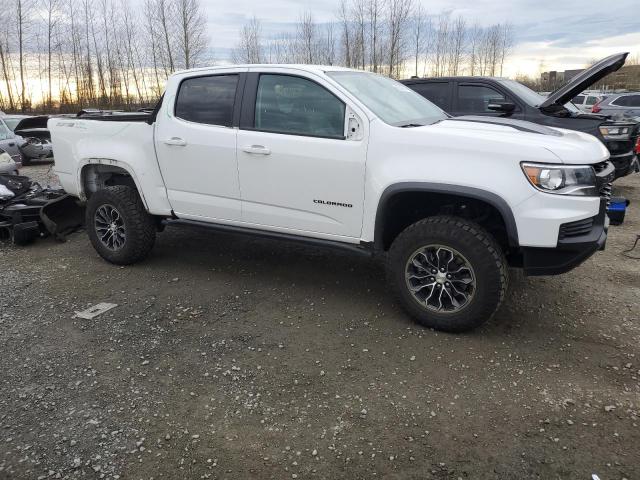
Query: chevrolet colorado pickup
348	159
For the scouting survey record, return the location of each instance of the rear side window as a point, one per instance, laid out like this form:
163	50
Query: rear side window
436	92
476	98
207	100
627	101
294	105
579	100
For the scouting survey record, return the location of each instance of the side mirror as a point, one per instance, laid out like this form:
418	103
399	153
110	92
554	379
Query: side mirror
501	106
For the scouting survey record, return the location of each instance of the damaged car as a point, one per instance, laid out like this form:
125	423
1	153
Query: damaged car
29	211
36	139
7	165
10	143
502	97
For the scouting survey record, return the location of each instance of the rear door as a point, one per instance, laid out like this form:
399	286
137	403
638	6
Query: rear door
298	170
195	143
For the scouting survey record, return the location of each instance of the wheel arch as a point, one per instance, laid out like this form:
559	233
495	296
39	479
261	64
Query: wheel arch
96	173
441	190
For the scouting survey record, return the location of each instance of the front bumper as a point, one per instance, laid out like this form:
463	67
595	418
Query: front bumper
624	164
577	241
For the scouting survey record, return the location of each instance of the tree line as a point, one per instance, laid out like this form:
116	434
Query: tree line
73	54
392	37
63	55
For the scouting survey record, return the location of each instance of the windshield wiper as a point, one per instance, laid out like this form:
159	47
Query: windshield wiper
411	125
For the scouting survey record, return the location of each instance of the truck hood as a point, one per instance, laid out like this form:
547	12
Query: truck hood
568	146
584	80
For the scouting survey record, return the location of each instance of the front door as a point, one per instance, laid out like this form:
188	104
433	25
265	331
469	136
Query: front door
298	171
196	149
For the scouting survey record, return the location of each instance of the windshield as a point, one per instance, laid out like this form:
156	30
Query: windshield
12	123
529	96
525	93
391	101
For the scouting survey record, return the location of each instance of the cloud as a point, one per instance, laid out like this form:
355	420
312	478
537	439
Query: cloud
560	32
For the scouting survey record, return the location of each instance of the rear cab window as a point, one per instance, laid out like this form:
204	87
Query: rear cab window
208	100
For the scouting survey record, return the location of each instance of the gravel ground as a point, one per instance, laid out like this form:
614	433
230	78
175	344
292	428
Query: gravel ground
233	358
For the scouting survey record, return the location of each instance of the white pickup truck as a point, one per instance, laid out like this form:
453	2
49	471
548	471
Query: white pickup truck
348	159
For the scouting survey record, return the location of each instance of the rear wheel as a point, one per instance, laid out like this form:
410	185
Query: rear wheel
448	273
119	228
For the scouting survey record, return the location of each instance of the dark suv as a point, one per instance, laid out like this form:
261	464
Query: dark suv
501	97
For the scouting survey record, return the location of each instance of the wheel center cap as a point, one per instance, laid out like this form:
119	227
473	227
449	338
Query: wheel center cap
441	277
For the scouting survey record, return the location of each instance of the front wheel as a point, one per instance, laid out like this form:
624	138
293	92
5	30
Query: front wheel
119	228
448	273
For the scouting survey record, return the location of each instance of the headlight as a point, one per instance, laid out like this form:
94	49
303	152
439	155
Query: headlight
614	131
5	158
562	179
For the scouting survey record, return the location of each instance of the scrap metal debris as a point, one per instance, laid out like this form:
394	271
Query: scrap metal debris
98	309
28	211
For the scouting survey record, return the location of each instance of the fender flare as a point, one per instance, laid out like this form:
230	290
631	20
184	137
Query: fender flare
111	163
470	192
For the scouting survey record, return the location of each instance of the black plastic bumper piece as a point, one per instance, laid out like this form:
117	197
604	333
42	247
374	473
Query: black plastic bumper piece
571	251
624	164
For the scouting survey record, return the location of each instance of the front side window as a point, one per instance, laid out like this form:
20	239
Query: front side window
592	100
476	98
294	105
207	100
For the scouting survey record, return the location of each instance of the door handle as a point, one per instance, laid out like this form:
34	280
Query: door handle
257	150
175	142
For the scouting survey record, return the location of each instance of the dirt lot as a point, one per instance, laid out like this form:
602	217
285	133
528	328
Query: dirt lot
231	357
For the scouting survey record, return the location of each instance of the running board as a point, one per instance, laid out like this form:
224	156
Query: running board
364	249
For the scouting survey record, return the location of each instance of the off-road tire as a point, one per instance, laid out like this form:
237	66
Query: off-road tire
473	242
139	226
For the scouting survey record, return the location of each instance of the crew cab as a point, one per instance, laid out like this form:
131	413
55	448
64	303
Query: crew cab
347	159
502	97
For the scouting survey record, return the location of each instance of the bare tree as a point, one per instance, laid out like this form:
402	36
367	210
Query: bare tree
398	14
306	36
23	10
420	28
457	45
249	49
192	38
345	24
375	13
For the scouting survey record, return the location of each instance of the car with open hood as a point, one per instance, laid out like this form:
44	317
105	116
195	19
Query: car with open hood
502	97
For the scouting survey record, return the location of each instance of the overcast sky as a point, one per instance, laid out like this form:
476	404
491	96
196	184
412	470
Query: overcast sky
563	34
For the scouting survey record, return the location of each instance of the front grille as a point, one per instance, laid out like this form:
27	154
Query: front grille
576	229
605	192
605	174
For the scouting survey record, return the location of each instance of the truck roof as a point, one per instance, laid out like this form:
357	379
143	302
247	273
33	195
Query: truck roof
462	77
297	66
